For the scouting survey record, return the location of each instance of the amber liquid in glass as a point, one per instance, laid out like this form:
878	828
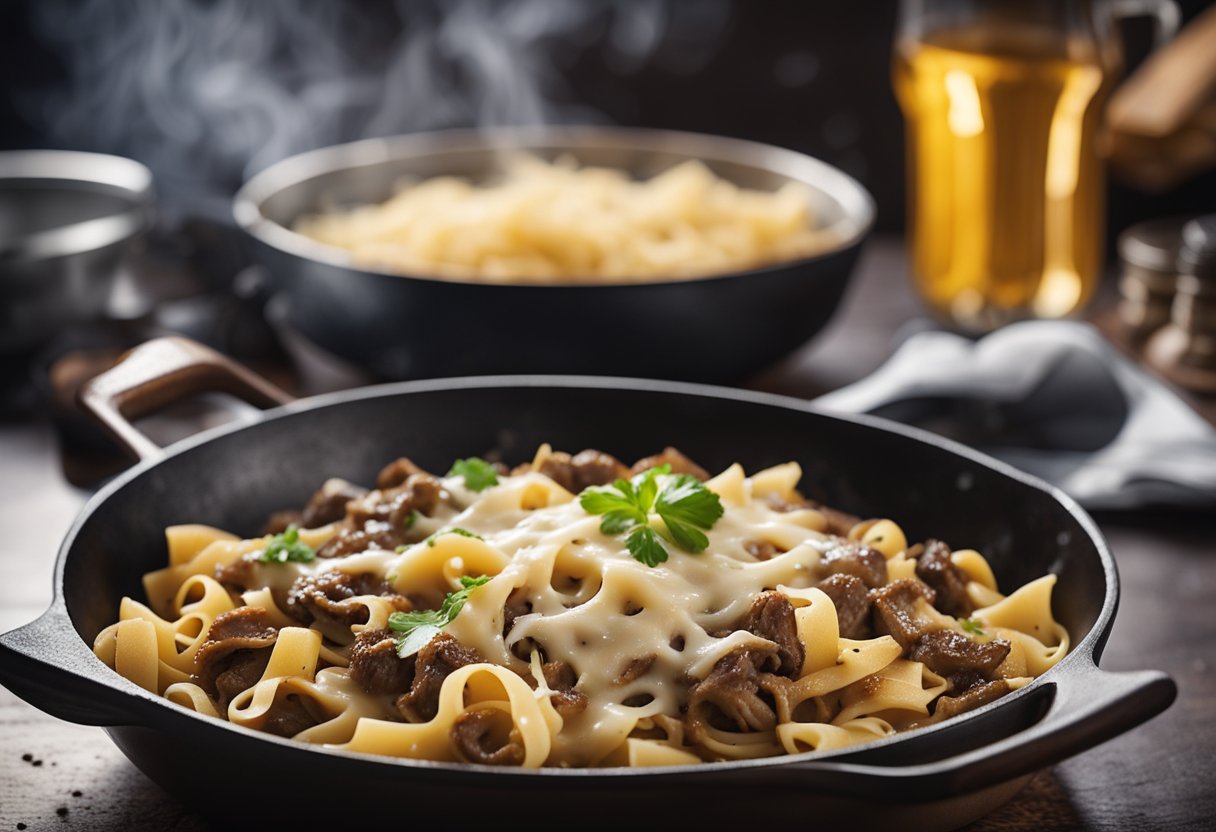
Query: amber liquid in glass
1006	197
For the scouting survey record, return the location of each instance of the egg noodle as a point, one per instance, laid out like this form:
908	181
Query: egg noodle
558	223
568	649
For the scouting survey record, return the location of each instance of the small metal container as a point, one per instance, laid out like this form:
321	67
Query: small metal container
1185	350
1149	255
66	219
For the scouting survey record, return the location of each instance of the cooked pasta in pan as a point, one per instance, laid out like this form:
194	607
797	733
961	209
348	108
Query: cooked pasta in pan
578	612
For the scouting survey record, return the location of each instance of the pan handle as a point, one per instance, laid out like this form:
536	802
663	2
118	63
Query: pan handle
48	665
163	371
1088	706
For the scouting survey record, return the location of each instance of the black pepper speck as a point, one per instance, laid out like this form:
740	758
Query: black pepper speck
77	793
62	811
36	763
22	826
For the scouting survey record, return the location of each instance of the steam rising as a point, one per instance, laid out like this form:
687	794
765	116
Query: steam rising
206	93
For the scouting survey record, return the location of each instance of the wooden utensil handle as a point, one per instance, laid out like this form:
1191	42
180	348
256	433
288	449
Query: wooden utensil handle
159	373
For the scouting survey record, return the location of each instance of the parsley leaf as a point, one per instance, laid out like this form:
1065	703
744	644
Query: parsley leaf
286	547
478	474
430	541
683	502
687	506
643	543
972	626
416	628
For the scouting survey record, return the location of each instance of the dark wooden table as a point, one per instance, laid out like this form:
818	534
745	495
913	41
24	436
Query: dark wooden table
1160	776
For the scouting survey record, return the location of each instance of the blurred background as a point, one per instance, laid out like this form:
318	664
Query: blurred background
207	93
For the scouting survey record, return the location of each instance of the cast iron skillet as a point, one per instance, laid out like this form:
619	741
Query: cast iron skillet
234	476
420	327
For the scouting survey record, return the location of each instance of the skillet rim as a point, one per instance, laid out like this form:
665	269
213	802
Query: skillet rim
1083	652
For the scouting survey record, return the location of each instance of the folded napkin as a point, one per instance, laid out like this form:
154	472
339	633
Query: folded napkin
1056	400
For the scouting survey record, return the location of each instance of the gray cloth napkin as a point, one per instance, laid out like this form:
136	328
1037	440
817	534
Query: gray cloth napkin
1056	400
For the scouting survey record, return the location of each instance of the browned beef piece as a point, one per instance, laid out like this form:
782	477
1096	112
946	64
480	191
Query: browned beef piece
895	610
241	574
353	541
517	605
474	742
854	559
679	463
761	549
327	597
839	522
434	663
278	522
395	506
852	602
732	696
635	669
560	676
936	569
949	652
232	636
288	716
241	671
375	666
396	473
328	504
978	696
772	617
584	470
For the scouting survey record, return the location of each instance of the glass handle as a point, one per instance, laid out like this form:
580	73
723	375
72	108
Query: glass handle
1165	13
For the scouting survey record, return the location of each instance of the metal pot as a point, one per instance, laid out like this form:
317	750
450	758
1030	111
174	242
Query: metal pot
708	329
66	219
232	477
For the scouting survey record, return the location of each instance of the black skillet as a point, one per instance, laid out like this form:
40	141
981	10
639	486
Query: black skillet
234	476
416	326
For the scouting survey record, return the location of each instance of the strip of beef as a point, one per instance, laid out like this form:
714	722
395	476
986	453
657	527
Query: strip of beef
560	676
949	653
896	614
382	519
735	696
635	669
375	666
839	522
583	470
936	569
978	696
395	506
434	663
328	504
854	559
474	740
852	602
761	549
772	617
241	574
679	463
235	652
288	716
279	522
329	597
396	473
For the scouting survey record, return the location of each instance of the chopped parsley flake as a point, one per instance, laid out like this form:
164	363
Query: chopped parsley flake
286	547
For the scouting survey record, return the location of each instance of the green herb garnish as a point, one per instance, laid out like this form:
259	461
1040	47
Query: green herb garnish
478	474
410	520
416	629
430	541
972	626
684	504
286	547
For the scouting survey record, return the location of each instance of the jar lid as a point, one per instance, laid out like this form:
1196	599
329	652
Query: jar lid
1198	253
1153	244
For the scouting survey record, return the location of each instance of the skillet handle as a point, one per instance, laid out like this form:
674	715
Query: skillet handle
46	664
163	371
1089	706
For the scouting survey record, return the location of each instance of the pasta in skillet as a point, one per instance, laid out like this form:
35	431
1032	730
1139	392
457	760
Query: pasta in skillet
576	612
